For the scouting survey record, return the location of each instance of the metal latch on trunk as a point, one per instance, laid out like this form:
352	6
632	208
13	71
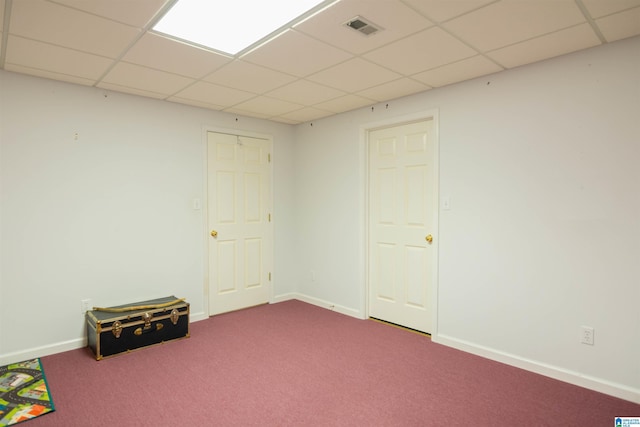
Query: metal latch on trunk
147	320
116	329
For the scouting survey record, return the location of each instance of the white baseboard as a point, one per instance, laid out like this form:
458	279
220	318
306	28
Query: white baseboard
61	347
597	384
45	350
320	303
196	317
284	297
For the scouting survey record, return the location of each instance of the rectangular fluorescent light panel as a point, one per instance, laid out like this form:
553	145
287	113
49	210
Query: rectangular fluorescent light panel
233	25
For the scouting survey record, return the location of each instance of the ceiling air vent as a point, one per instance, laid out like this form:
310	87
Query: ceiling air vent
362	25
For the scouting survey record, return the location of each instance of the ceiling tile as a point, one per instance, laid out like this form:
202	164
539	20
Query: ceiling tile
443	10
146	79
162	53
304	92
319	67
263	104
507	22
285	121
354	75
63	26
59	60
620	25
306	114
396	20
600	8
548	46
252	78
296	53
394	89
131	90
196	103
214	94
458	71
436	48
235	110
49	75
136	13
345	103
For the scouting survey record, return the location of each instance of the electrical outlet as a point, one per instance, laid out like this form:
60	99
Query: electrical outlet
586	336
85	305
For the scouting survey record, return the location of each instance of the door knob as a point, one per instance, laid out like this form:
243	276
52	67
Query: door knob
429	238
214	234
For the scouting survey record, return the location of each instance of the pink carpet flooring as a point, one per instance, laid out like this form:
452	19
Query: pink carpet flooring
294	364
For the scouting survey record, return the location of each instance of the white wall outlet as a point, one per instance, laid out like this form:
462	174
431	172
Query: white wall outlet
85	305
586	335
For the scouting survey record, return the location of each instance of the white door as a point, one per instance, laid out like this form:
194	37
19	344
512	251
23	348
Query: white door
402	218
240	248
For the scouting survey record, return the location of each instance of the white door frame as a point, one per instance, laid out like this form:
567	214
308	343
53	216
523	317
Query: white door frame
205	207
364	154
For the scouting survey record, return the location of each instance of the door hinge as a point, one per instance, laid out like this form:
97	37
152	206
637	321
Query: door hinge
269	276
269	217
269	157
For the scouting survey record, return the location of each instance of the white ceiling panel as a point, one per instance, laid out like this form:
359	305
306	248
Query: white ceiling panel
394	89
462	70
252	78
196	103
344	103
147	79
159	52
296	53
59	60
431	48
315	68
600	8
266	105
137	13
63	26
130	90
548	46
355	75
306	114
281	119
304	92
395	19
620	25
511	21
257	114
443	10
46	74
214	94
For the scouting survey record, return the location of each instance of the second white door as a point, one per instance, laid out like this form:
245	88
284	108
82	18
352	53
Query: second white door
402	218
240	242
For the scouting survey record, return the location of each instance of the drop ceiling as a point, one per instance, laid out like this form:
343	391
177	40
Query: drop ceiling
315	69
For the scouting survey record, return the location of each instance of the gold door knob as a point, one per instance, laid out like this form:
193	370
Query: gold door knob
214	234
429	238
